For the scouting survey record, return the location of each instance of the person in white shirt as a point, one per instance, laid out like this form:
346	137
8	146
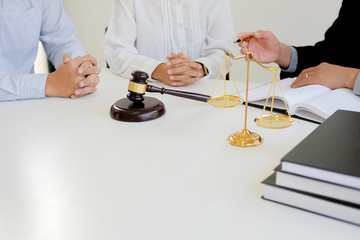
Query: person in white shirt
174	41
23	24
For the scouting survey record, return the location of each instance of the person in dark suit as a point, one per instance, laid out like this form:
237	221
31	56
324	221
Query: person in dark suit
332	62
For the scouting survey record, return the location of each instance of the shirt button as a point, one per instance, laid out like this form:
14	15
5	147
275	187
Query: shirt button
180	25
178	1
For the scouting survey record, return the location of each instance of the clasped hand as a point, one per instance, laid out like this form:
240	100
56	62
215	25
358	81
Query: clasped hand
74	78
180	70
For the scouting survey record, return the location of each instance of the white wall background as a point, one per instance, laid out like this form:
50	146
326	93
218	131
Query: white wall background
294	22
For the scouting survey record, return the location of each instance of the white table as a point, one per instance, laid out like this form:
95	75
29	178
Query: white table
68	171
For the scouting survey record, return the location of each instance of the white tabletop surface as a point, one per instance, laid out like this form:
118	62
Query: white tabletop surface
68	171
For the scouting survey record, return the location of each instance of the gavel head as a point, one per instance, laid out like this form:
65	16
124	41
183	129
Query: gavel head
136	107
137	86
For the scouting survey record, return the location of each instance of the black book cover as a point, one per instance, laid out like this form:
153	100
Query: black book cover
317	186
271	180
329	207
333	146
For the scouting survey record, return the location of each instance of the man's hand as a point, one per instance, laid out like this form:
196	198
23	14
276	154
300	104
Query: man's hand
75	78
266	48
329	75
178	71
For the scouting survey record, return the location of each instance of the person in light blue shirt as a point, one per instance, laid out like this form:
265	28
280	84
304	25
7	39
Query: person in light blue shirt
23	23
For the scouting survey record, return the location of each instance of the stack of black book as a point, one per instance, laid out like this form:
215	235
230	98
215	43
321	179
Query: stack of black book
322	173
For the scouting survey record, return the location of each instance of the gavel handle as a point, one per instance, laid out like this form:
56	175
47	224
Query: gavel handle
189	95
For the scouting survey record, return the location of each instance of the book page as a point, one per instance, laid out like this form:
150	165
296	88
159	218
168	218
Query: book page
326	104
292	96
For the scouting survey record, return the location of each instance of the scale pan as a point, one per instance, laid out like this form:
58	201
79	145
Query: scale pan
225	101
274	121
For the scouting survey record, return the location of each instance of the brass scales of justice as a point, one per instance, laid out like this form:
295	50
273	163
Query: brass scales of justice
137	107
246	138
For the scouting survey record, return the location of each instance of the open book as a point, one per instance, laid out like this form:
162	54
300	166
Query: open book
313	102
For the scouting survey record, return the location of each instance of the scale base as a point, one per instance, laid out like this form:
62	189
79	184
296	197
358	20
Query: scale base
245	138
128	111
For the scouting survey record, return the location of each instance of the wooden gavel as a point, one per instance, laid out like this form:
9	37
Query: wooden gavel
137	108
138	86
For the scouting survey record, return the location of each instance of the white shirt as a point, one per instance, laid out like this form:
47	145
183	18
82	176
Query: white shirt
23	23
142	33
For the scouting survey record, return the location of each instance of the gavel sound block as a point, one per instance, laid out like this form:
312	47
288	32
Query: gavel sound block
137	107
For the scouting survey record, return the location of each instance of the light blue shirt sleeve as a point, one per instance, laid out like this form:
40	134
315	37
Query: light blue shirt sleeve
294	61
23	24
58	33
357	85
22	86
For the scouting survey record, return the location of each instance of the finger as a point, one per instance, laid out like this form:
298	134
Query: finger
171	56
244	50
303	79
262	34
190	64
175	61
86	58
244	34
182	59
299	82
185	70
182	55
266	35
244	44
184	78
195	65
91	70
84	67
84	91
186	82
90	81
259	34
306	77
183	62
66	58
168	81
178	84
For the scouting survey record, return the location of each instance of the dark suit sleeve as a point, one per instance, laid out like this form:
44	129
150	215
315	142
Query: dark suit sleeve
339	47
